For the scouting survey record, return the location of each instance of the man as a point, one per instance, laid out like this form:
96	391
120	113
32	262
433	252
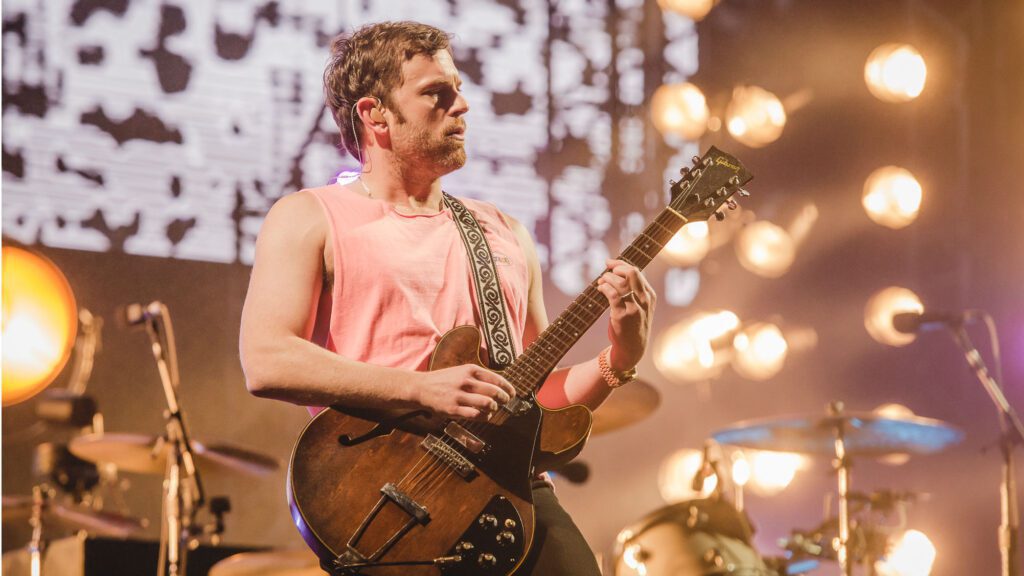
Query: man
354	285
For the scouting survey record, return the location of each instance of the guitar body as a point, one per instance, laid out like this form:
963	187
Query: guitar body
363	487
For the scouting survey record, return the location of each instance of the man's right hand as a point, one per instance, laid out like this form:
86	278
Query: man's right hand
468	391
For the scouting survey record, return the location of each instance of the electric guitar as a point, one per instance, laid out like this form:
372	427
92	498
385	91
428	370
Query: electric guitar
411	494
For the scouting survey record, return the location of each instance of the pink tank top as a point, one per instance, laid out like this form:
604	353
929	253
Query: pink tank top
402	281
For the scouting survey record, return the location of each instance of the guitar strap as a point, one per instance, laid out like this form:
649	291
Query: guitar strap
494	317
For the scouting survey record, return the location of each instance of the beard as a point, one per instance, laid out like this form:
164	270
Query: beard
423	151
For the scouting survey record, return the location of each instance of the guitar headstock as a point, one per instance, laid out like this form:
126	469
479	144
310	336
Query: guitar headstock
708	184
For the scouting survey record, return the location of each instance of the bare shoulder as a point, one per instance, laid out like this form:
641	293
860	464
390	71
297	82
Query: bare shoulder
518	229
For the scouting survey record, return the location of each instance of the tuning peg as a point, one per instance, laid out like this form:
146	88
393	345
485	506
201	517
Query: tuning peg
743	192
683	171
732	204
695	160
734	180
721	191
719	216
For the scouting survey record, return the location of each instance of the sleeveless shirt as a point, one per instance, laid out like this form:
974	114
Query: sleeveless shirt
401	281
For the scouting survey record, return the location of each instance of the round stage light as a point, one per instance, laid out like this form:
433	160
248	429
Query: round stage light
761	351
39	323
880	309
690	245
895	72
773	472
693	9
755	116
892	197
698	347
680	109
765	249
740	469
675	477
912	554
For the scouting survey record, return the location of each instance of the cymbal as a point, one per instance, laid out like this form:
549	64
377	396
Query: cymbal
73	516
140	453
865	433
273	563
626	406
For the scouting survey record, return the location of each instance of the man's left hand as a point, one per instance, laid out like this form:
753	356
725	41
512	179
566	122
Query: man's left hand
631	303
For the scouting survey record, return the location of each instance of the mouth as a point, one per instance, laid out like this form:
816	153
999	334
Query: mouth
458	134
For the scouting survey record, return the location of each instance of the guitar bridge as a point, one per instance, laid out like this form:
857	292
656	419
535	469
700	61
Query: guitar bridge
449	455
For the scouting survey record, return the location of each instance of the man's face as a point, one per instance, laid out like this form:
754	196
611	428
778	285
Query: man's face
428	131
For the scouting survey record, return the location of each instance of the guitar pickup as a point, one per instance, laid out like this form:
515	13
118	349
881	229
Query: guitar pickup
467	439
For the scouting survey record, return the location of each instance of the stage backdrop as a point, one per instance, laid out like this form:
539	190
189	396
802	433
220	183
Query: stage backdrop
143	142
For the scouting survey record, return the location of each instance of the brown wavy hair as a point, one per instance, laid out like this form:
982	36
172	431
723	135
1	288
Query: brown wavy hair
368	62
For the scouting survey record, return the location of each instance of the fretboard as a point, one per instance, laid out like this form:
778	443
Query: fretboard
530	369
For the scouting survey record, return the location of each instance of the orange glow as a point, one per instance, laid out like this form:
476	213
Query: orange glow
895	73
39	323
765	249
697	348
755	116
693	9
675	478
761	351
680	109
689	245
880	309
892	197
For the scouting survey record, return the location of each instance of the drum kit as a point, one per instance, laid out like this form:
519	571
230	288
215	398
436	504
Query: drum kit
711	536
699	537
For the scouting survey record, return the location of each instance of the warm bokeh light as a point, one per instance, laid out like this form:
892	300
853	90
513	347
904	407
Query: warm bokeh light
755	116
740	469
773	472
765	249
675	478
912	554
760	351
895	72
698	347
680	109
689	245
895	411
693	9
39	323
892	197
880	309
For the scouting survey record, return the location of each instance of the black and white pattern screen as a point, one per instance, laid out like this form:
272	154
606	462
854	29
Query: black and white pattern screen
169	128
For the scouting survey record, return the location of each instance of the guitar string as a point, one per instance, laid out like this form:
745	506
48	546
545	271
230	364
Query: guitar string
430	478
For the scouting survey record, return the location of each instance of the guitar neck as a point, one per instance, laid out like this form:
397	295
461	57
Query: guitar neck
531	368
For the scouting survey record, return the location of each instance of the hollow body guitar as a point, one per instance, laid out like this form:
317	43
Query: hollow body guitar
396	494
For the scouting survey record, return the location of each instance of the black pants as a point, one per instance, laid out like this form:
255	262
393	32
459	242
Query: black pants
558	546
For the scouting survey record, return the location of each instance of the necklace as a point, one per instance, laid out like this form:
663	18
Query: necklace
367	190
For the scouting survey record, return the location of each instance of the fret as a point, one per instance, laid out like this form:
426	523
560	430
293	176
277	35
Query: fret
542	356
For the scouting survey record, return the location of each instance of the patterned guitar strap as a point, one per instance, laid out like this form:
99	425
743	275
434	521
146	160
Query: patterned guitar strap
495	322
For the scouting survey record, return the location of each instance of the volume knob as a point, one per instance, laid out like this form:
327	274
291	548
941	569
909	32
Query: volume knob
487	560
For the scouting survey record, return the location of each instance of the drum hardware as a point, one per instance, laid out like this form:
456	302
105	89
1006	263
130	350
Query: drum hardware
843	435
1011	435
271	563
42	510
625	406
702	537
183	490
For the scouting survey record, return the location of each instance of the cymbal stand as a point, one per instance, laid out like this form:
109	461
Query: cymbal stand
37	545
183	489
1011	433
842	466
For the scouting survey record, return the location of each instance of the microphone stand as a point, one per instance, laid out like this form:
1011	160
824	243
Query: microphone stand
1011	433
183	489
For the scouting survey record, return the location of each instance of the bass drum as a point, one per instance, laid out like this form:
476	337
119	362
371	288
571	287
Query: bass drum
693	538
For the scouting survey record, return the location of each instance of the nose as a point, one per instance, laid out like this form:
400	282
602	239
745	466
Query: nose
460	106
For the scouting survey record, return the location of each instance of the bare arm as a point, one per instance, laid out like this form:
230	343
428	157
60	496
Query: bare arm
280	362
628	330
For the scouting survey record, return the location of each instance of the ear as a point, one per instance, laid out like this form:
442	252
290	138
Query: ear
370	113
